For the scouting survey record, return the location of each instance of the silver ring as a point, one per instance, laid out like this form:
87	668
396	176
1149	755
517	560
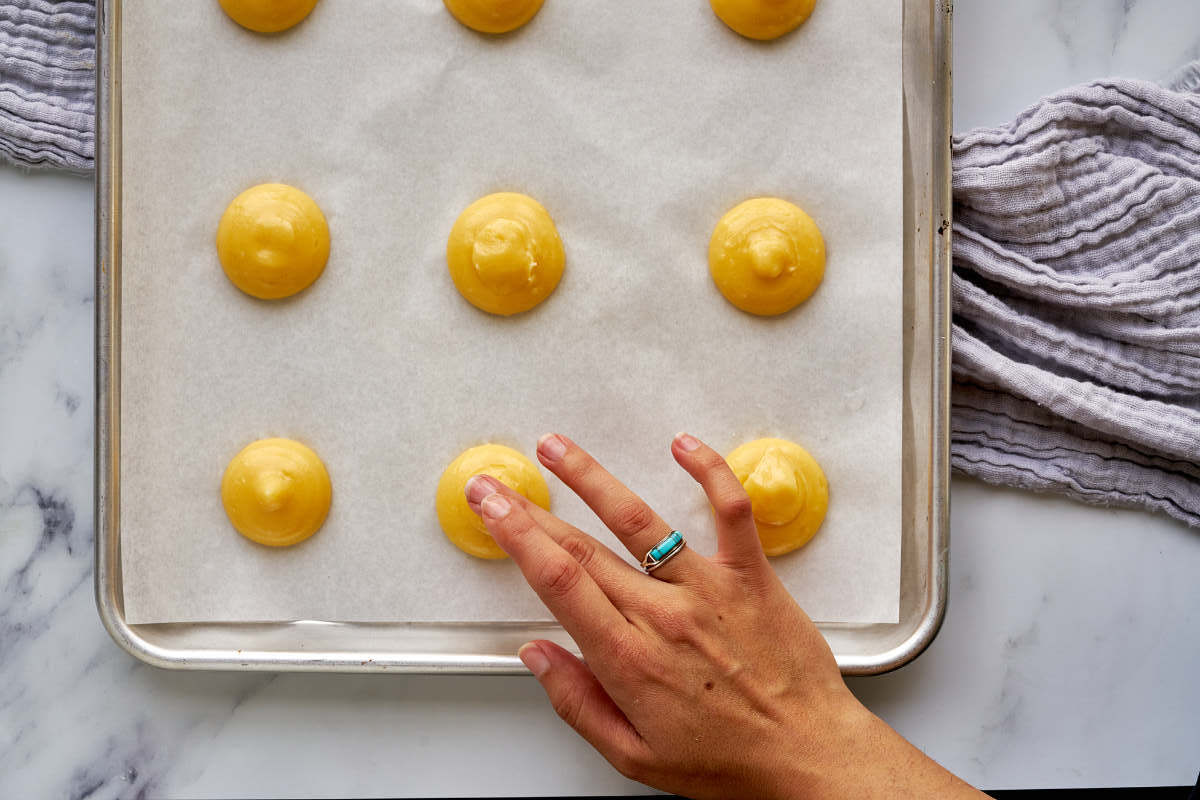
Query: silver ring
664	551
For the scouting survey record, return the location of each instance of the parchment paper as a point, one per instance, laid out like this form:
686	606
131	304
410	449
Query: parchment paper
637	125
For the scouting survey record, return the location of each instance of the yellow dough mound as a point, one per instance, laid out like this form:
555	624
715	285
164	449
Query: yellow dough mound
504	253
493	16
763	19
276	492
787	489
463	526
268	16
273	241
767	256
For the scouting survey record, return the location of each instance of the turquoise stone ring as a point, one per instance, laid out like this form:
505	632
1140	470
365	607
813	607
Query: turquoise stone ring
663	552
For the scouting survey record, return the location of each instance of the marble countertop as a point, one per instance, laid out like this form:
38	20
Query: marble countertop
1068	657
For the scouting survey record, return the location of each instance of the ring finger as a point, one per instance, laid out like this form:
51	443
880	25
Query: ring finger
625	514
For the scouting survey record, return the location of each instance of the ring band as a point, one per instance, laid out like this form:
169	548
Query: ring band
663	552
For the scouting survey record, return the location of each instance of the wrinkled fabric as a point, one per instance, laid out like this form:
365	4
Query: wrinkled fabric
1076	284
1076	292
47	83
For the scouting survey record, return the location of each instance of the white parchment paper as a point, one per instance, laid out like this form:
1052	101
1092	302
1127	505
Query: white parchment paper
637	125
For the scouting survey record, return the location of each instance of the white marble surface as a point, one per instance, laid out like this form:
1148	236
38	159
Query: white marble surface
1068	658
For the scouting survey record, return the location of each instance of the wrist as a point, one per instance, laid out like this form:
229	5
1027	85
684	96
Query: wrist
825	758
867	758
864	757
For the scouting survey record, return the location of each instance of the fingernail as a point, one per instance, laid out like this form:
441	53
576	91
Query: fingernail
552	447
479	487
534	659
687	442
495	506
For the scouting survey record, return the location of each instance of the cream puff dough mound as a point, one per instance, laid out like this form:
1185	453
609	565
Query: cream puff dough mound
493	16
763	19
268	16
463	526
504	254
276	492
273	241
788	492
767	256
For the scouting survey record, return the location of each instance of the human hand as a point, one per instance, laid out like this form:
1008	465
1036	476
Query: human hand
706	679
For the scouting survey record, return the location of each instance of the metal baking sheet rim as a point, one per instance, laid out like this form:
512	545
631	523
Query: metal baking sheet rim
431	648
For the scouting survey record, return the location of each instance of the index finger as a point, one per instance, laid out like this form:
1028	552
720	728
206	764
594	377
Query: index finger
572	596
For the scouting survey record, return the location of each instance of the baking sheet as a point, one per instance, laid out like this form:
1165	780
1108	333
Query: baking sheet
637	128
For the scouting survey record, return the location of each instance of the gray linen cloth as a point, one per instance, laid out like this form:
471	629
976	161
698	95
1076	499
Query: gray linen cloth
1076	293
1076	268
47	83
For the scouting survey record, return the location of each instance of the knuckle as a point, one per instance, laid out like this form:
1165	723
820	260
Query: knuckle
735	506
515	526
676	624
628	655
569	705
630	764
581	469
631	515
559	577
580	548
711	461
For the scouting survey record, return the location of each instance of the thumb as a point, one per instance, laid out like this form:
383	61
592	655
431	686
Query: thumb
581	701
